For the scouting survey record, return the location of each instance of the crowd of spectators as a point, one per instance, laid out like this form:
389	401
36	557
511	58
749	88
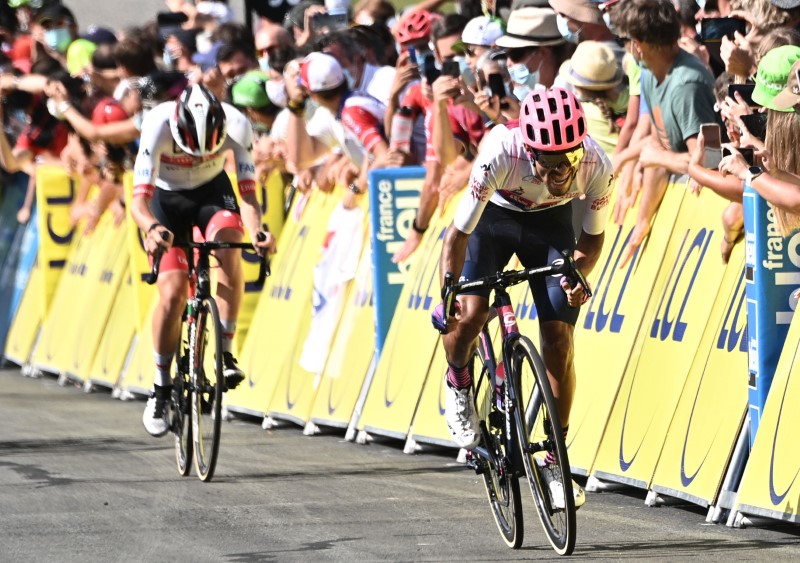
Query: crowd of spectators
333	90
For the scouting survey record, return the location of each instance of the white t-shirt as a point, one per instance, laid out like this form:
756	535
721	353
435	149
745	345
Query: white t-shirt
160	162
503	172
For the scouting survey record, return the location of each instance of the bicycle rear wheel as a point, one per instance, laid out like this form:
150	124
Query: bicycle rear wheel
207	385
551	485
181	407
502	485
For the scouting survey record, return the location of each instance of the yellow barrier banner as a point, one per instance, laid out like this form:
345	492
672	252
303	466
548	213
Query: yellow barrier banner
272	196
280	311
712	406
410	344
55	192
297	387
677	314
141	372
108	261
350	355
117	337
610	321
25	327
770	486
143	294
52	353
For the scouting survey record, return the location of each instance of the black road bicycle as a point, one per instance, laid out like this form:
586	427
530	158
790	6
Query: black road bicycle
519	420
198	384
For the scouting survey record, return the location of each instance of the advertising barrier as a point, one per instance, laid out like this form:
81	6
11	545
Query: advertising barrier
394	194
609	324
711	409
674	323
772	263
770	485
25	327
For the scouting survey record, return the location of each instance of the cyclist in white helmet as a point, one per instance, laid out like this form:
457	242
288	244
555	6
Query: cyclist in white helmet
180	185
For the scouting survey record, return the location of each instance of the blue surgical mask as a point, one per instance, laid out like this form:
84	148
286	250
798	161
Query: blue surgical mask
166	56
263	63
521	76
521	91
563	28
609	24
58	39
351	80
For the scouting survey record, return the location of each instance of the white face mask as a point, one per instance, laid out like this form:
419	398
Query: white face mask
351	80
263	63
563	28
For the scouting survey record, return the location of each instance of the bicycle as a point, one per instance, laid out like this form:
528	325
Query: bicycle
196	401
515	440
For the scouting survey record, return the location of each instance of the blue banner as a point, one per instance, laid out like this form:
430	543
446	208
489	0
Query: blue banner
11	241
394	200
772	274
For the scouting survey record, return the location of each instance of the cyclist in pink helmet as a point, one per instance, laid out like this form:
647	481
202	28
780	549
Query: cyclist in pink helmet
521	200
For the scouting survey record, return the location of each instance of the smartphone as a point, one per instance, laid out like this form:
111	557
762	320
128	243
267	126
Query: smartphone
497	87
713	144
451	68
412	55
714	29
429	70
747	153
745	91
756	123
171	19
330	22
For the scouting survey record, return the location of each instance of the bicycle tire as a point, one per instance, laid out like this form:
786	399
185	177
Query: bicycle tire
500	482
206	391
559	524
181	408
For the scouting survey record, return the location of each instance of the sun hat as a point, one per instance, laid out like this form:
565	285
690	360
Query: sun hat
320	72
531	27
593	66
773	74
789	96
250	90
584	11
483	31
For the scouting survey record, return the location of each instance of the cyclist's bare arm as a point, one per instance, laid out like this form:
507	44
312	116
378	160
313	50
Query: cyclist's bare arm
454	251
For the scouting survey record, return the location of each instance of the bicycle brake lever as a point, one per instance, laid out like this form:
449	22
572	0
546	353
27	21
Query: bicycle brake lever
448	297
574	275
264	270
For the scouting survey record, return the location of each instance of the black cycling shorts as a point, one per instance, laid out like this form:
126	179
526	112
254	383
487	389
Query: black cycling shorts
537	238
181	210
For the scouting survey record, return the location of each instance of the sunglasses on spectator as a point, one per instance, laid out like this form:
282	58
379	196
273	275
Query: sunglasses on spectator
520	54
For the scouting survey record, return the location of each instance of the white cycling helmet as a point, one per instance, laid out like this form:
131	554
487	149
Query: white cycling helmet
198	124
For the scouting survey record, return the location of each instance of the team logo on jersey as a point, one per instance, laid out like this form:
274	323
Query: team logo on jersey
479	190
229	201
600	203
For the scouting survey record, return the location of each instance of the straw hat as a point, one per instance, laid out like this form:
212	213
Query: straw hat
592	67
531	27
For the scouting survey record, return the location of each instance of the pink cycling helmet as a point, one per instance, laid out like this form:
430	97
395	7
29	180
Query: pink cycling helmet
414	26
552	120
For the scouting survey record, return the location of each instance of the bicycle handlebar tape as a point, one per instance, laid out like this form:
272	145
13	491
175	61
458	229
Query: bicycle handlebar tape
264	270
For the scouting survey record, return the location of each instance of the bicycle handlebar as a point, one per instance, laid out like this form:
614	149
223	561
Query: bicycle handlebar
565	266
206	247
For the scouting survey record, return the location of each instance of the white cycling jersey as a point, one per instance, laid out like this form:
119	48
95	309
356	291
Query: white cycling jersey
161	163
503	172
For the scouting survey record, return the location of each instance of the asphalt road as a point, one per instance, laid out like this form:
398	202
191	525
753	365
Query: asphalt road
81	481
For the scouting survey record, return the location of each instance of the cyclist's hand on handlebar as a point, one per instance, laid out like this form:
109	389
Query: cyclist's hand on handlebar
576	293
159	239
444	324
266	244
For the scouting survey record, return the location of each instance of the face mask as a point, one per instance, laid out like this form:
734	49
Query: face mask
52	108
263	63
260	128
167	58
521	76
276	92
203	42
521	91
351	81
58	39
563	28
610	25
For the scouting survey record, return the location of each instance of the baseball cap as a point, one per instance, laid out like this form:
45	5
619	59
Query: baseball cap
207	60
99	35
108	110
320	72
483	31
79	55
789	96
250	90
773	74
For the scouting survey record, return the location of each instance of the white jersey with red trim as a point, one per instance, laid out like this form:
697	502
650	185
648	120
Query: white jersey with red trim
357	129
160	162
503	173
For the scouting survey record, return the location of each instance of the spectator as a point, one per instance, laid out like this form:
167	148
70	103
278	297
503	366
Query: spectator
535	49
270	40
478	37
370	12
582	20
597	78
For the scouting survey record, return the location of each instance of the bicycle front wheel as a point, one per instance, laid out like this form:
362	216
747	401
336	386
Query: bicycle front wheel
207	384
502	485
550	483
181	406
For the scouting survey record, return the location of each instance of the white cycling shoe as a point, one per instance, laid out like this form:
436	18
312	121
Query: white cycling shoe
462	420
557	489
156	414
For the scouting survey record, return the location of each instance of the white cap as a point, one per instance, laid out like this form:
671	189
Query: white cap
482	30
320	72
